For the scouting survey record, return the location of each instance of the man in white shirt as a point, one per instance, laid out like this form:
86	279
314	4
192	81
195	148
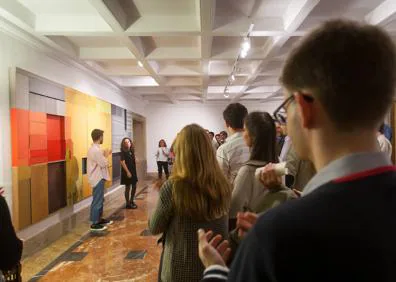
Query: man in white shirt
384	144
98	173
234	152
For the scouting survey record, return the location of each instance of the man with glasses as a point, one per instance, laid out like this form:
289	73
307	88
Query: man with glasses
339	84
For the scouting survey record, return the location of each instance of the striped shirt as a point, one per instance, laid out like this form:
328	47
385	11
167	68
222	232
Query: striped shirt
232	155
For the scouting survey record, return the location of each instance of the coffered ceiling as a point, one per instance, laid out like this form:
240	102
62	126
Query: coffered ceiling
174	51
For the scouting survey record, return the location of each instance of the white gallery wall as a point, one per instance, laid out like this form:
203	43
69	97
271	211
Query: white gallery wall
164	121
16	53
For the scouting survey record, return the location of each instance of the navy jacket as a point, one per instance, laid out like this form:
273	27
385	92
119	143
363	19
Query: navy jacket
345	230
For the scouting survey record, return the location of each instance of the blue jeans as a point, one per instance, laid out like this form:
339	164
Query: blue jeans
97	202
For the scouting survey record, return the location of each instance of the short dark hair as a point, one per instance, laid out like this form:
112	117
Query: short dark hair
223	133
261	128
96	134
350	68
212	133
234	115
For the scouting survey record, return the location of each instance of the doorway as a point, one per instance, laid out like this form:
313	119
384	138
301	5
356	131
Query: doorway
139	139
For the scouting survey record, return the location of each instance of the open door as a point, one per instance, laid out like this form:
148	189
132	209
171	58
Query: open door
139	139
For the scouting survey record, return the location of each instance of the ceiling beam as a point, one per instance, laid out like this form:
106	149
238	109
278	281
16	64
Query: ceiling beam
16	12
207	16
115	25
381	15
97	53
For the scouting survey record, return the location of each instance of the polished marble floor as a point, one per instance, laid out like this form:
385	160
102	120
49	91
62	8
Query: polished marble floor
126	252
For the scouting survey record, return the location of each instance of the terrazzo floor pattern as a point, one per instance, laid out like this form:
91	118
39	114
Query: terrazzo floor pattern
126	252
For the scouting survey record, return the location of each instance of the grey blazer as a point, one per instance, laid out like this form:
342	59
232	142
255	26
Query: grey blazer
248	191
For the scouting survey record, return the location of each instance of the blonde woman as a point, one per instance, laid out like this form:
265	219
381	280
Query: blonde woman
196	196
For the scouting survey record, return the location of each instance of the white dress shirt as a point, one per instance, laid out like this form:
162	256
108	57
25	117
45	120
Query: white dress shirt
232	155
97	165
162	154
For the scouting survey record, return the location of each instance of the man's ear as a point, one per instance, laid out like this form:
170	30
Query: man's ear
305	110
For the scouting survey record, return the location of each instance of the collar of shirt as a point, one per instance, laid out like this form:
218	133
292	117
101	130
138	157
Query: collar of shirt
235	135
346	166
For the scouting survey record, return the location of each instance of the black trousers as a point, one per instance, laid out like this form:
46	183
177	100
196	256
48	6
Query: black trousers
163	165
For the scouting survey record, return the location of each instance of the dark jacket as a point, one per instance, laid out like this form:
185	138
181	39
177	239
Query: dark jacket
344	230
10	245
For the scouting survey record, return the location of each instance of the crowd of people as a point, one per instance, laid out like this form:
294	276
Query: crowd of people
329	215
226	211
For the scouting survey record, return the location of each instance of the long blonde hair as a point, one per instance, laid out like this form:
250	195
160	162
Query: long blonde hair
200	189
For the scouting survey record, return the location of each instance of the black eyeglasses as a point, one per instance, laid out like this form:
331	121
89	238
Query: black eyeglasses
280	114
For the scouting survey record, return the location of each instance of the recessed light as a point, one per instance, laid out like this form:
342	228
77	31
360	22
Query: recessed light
140	64
243	53
226	95
232	77
246	44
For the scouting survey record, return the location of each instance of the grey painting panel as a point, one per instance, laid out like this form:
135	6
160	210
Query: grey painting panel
37	103
60	108
129	124
20	98
47	89
117	127
50	106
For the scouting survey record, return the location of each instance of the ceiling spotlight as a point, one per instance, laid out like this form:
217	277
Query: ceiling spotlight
246	44
226	95
140	64
232	77
243	53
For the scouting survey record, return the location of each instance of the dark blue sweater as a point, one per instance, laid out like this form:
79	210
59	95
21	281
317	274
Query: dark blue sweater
345	230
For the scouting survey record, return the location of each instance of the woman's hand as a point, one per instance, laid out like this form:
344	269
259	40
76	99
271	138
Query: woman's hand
269	178
129	174
213	250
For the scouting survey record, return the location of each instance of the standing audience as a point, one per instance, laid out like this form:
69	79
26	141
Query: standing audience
196	196
162	159
232	154
128	172
249	194
329	234
98	173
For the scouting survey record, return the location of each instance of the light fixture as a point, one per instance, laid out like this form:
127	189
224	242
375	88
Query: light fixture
226	92
246	44
243	53
232	77
140	64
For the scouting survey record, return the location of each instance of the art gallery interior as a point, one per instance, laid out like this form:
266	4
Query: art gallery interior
134	68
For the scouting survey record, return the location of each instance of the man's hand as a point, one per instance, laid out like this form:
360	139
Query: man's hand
107	152
245	221
213	251
269	178
297	192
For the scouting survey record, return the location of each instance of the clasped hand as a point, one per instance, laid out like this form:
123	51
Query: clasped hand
215	250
